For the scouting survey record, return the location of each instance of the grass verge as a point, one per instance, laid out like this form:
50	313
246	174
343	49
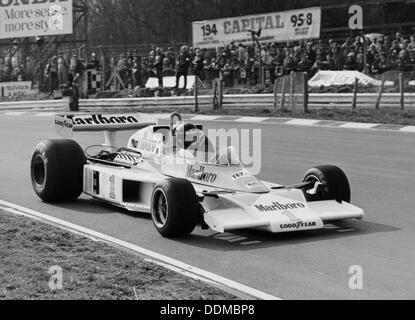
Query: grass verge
91	270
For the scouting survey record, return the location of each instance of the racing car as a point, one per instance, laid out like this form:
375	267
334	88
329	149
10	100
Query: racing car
175	173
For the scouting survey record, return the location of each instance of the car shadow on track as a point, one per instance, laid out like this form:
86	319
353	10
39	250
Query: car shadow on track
88	206
254	239
246	239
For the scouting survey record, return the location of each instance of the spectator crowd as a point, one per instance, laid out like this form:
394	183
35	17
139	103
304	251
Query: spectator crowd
239	64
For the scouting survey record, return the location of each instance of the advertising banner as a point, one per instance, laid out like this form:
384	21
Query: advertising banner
15	89
32	18
275	27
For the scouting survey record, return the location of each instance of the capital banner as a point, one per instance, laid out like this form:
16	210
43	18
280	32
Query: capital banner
275	27
32	18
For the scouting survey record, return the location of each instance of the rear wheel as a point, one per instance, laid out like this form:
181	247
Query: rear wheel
175	208
57	170
334	184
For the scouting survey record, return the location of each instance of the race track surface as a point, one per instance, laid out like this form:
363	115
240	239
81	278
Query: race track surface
304	265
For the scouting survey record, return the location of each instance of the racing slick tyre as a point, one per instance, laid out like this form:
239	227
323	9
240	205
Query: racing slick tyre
57	170
174	208
335	185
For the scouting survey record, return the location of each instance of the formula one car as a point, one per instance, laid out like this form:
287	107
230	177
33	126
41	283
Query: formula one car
174	172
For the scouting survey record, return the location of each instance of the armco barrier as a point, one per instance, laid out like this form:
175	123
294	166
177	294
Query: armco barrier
338	101
62	104
316	101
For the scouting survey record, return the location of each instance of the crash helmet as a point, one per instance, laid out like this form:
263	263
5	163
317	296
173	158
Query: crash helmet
187	135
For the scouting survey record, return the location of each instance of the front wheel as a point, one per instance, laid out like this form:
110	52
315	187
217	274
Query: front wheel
174	208
334	184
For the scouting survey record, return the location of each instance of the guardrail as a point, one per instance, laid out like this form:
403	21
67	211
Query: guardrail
316	101
41	104
266	101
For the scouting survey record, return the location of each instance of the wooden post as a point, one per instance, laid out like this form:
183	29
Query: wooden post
292	90
220	93
284	80
401	91
355	90
382	86
215	95
276	94
196	94
305	94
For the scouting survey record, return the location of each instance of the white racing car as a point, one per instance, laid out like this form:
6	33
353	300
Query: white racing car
174	173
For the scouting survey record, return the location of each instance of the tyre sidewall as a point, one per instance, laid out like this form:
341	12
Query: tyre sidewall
336	184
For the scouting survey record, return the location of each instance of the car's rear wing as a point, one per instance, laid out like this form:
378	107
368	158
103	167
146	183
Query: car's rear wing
67	124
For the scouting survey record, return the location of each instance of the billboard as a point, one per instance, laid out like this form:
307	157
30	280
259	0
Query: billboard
276	27
32	18
15	89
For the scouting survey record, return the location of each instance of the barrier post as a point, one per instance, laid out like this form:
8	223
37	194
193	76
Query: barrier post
382	86
284	80
196	94
305	99
276	94
355	90
401	91
215	94
292	90
220	93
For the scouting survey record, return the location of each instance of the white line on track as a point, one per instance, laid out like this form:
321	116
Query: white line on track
45	114
172	264
408	129
356	125
205	118
302	122
251	119
14	113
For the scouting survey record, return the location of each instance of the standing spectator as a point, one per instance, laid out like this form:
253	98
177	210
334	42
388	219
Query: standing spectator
338	56
289	63
94	63
158	66
51	74
183	64
198	65
370	57
360	60
129	83
137	80
21	73
63	69
411	45
350	62
122	69
76	68
381	64
171	56
403	61
394	52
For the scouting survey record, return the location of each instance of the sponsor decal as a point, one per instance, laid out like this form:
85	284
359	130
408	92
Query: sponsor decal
103	120
200	174
298	225
240	174
144	145
276	206
63	123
